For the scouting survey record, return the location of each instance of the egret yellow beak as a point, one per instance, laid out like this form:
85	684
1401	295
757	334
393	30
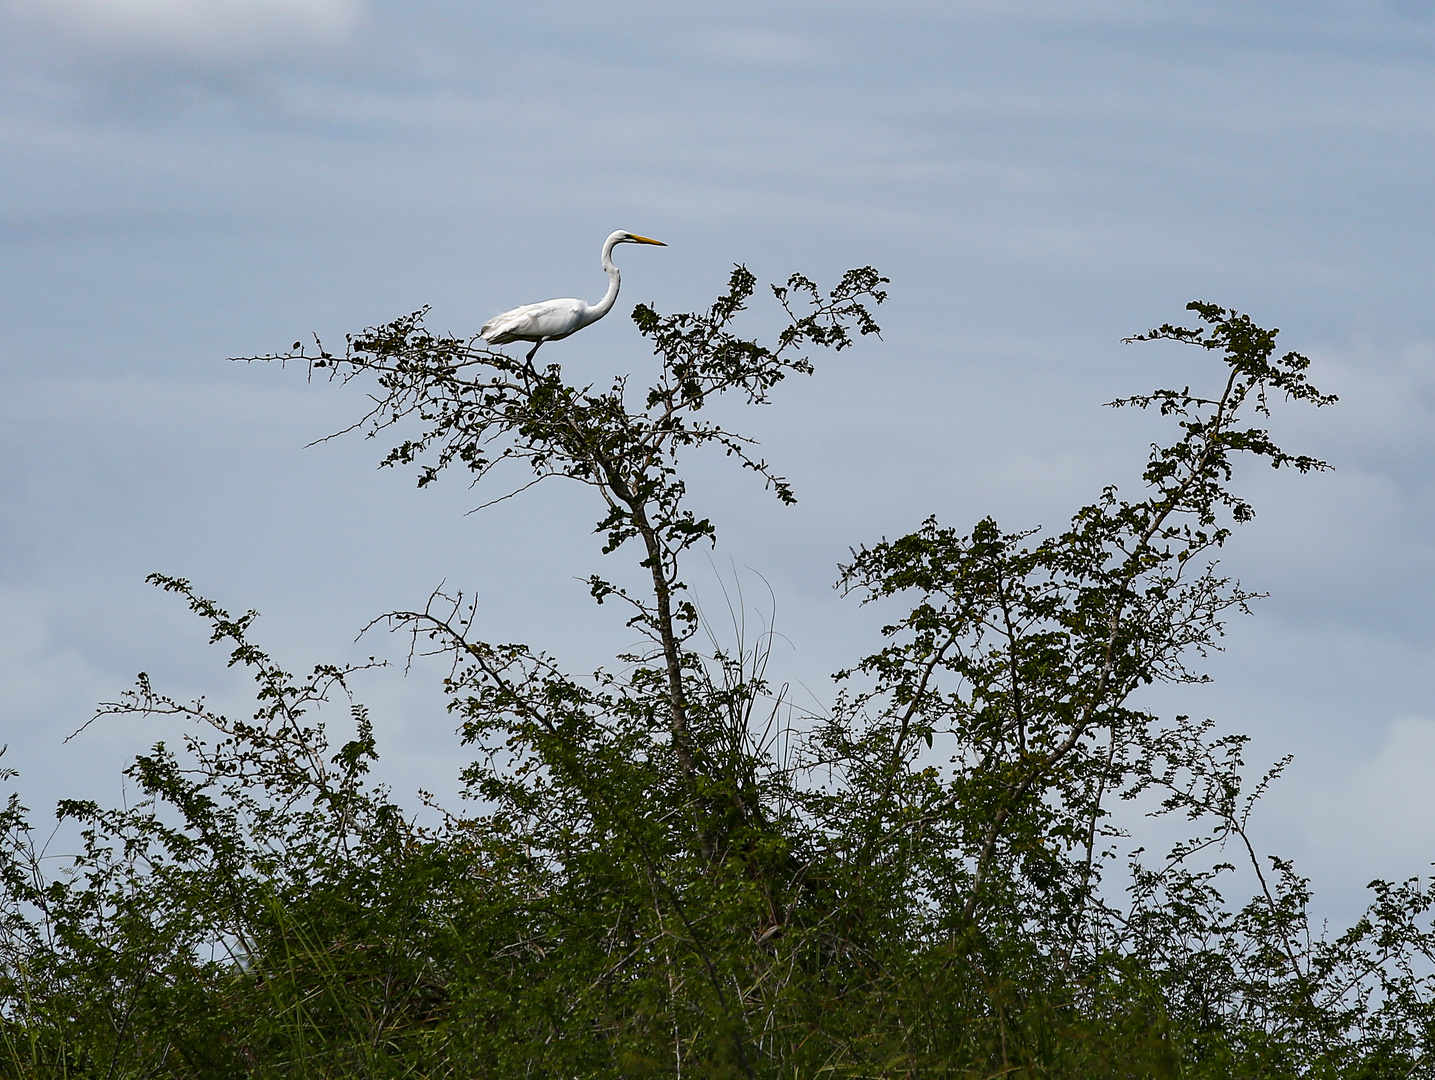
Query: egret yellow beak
644	240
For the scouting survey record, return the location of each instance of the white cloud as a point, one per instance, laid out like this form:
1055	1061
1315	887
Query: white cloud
203	27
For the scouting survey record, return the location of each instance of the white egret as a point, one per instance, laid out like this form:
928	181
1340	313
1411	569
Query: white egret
554	319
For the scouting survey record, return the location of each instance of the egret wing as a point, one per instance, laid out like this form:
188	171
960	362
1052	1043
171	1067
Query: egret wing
534	322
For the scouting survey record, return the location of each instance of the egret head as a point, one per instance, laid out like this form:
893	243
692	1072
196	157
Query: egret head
624	237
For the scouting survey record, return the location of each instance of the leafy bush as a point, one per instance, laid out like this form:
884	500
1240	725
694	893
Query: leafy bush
666	868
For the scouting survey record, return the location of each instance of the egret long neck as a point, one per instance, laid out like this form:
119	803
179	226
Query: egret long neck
603	306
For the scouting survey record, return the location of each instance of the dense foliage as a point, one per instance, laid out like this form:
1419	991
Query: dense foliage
667	869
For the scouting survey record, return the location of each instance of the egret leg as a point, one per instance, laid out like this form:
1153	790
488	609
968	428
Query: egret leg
528	360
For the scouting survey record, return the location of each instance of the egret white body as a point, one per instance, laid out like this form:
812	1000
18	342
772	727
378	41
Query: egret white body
551	320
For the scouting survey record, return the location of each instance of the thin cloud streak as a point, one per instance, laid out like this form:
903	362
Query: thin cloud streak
206	29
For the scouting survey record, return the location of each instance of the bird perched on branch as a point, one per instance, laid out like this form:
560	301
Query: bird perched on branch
554	319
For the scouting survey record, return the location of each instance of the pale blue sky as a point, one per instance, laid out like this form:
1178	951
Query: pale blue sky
182	181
